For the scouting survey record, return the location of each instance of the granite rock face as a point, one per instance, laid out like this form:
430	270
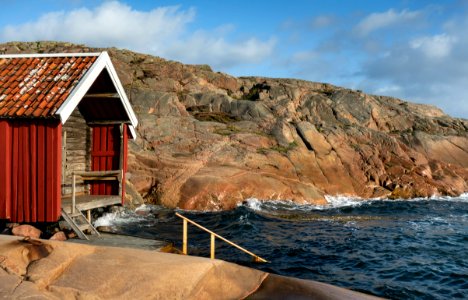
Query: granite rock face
208	141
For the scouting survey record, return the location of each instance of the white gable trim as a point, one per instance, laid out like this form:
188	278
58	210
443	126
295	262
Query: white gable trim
103	61
132	131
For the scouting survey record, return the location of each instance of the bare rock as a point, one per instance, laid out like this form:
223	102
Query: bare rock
26	231
313	139
207	140
59	236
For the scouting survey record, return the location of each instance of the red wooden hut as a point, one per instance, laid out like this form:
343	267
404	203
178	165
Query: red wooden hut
64	126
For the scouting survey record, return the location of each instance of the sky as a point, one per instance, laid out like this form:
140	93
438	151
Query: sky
413	50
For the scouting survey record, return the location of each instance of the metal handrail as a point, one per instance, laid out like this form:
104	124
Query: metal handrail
213	235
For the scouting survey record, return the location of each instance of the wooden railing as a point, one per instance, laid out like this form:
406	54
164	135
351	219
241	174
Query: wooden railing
94	175
213	235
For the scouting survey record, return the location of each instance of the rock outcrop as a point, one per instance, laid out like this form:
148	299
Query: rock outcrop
207	140
26	230
39	269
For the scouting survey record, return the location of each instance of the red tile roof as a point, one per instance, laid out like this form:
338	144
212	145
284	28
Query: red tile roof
36	86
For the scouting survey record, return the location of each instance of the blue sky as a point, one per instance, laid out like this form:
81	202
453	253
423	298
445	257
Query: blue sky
414	50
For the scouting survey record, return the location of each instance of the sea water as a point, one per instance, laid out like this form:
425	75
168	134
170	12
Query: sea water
399	249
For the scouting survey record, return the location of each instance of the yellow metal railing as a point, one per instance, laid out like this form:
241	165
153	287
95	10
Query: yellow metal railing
213	237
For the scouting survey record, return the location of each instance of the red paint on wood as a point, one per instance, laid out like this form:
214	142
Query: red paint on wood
41	167
5	169
105	157
34	157
49	157
125	154
58	170
26	166
15	178
30	150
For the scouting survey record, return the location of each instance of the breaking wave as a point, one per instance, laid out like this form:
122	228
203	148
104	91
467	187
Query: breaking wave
338	201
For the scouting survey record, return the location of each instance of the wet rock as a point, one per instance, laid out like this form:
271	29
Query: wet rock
26	231
108	229
142	212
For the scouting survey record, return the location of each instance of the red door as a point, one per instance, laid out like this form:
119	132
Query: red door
105	156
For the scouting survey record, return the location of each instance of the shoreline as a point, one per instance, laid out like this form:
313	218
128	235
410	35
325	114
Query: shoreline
53	269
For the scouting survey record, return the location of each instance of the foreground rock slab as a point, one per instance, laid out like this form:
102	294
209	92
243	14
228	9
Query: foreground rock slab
42	269
280	287
89	272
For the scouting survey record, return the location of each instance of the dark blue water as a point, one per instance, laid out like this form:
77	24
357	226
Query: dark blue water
396	249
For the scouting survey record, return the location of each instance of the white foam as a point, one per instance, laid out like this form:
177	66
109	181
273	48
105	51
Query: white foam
105	220
252	203
336	201
333	202
344	201
143	207
116	218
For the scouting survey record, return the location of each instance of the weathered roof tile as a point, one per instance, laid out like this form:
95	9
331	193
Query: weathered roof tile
38	85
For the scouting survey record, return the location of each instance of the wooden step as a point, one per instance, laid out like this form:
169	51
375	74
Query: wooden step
83	227
79	223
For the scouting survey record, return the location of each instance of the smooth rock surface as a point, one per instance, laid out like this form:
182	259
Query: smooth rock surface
44	269
59	236
26	231
73	271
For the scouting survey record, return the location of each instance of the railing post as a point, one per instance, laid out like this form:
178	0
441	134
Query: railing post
213	236
73	193
212	246
184	238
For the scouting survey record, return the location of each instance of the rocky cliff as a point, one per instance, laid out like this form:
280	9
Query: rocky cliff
207	140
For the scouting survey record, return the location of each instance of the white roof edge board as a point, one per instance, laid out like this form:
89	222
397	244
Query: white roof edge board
24	55
133	132
120	90
103	61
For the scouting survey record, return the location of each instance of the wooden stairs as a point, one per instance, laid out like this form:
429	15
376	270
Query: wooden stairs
78	222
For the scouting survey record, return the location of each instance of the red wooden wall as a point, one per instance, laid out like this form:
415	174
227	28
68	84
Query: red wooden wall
125	156
105	156
30	170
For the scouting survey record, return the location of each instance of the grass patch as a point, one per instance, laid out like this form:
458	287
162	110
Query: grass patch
254	93
219	117
228	130
278	148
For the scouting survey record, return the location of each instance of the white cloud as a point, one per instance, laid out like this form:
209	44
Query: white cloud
111	24
212	49
162	31
387	90
377	21
304	56
322	21
429	69
436	46
404	58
